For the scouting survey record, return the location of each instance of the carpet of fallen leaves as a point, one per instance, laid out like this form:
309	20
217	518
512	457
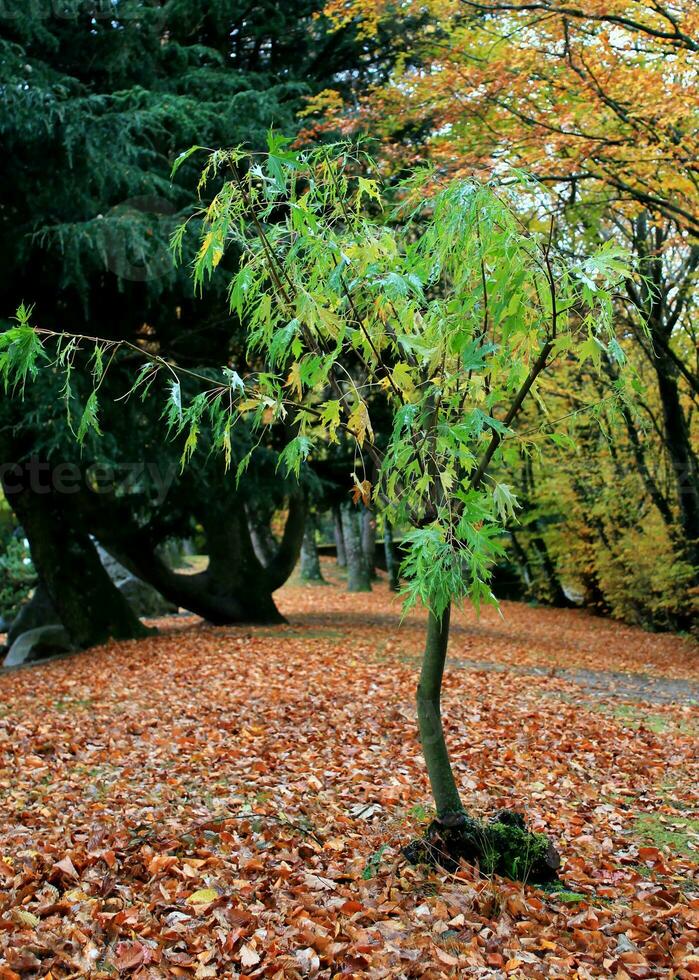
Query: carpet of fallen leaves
225	802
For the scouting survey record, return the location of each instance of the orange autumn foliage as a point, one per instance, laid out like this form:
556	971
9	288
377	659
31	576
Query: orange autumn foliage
599	93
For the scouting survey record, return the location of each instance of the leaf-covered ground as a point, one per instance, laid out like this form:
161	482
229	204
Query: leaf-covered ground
223	802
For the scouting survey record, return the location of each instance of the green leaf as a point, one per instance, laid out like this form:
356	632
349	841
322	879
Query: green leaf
505	501
234	380
368	188
592	348
182	158
190	444
88	420
176	397
294	453
20	354
330	419
243	465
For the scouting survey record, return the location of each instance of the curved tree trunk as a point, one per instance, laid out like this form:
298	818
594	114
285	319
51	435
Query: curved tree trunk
503	845
358	578
429	716
289	548
235	579
87	602
39	611
263	540
235	587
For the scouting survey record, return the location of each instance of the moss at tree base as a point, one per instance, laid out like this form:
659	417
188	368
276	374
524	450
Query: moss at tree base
503	846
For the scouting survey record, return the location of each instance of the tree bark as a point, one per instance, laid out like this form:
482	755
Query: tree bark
503	845
39	611
392	567
368	526
235	587
310	563
682	458
661	318
522	561
557	596
543	561
358	578
263	540
287	554
340	553
650	483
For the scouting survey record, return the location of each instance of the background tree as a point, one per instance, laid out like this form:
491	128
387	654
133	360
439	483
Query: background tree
581	95
591	99
358	570
310	562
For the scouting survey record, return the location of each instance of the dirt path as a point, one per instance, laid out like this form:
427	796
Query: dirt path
626	687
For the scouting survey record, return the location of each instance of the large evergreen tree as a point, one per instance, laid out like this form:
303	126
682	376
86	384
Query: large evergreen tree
98	100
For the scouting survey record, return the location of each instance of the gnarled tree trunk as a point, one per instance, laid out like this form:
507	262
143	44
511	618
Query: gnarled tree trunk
235	587
86	600
39	611
263	540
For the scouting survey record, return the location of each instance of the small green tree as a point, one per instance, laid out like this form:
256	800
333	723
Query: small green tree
448	310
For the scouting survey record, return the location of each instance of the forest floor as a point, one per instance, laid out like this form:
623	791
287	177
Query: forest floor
223	802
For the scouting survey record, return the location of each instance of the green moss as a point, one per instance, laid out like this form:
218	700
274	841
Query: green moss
372	865
632	716
294	634
515	852
72	704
